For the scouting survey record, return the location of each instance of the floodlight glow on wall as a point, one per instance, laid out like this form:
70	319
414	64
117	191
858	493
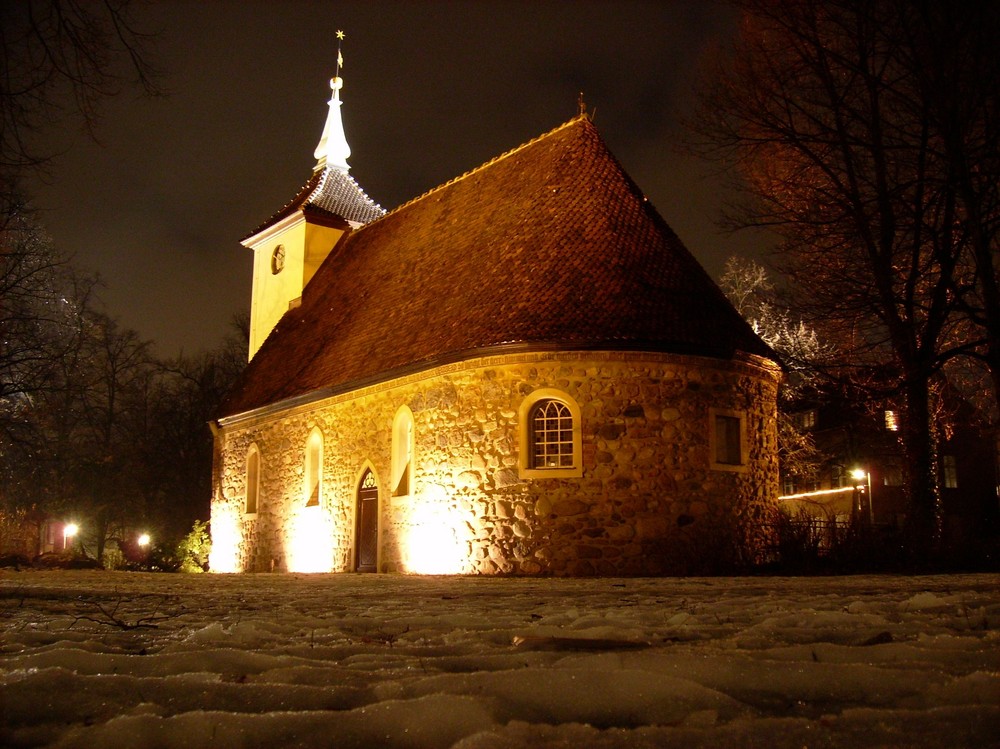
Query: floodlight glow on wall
226	535
70	530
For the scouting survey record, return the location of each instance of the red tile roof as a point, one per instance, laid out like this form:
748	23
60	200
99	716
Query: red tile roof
549	245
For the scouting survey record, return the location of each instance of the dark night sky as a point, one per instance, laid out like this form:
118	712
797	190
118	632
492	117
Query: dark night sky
432	89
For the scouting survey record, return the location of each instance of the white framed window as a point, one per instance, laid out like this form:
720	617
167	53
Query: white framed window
401	475
313	476
727	439
551	435
551	443
252	480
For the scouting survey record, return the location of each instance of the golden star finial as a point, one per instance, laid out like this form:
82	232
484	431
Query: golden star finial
340	34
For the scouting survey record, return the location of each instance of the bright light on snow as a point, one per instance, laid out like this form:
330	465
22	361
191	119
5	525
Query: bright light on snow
115	659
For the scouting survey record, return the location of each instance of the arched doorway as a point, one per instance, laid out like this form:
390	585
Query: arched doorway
366	524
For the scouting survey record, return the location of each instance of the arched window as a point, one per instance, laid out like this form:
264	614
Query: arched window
252	479
313	483
402	453
550	432
551	435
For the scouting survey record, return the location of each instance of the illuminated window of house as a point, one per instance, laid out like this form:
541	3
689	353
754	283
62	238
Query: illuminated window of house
892	421
252	479
402	453
549	428
728	440
806	419
312	484
892	476
949	472
788	484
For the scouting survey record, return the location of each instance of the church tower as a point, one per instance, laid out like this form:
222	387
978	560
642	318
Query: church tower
294	242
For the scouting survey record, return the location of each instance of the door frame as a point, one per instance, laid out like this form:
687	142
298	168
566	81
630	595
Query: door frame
356	551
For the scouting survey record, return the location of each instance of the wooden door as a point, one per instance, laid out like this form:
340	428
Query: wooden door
366	532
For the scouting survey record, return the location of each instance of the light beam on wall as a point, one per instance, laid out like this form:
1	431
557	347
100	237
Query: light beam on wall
436	539
226	535
309	543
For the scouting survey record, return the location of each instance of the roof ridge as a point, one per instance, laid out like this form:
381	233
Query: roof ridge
470	172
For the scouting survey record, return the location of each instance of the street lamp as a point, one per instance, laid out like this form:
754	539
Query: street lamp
143	540
863	486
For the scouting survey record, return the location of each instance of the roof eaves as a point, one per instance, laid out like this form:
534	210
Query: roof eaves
510	347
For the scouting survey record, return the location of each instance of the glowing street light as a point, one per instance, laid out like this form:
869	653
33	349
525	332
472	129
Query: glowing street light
143	540
863	489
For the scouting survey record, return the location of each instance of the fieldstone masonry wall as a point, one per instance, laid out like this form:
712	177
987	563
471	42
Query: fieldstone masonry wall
648	501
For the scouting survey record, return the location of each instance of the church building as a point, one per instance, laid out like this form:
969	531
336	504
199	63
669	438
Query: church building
522	371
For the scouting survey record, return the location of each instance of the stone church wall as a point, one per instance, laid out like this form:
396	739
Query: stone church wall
649	500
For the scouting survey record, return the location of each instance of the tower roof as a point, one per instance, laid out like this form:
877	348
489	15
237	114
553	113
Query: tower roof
331	191
550	245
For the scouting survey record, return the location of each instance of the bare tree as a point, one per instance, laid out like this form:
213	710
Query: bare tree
748	286
40	294
59	59
180	442
838	116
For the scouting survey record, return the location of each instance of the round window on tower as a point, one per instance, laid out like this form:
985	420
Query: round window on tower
278	259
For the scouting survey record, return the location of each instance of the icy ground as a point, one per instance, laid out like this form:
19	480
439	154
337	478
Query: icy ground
105	659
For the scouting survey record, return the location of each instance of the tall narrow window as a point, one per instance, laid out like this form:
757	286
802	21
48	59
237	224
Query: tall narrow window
949	472
838	477
892	421
314	469
728	442
252	479
402	453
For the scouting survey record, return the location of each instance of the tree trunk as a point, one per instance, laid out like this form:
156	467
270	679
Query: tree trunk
924	521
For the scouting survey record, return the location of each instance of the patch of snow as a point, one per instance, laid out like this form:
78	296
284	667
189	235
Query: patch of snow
105	659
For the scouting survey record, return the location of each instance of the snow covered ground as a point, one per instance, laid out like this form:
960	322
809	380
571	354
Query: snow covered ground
106	659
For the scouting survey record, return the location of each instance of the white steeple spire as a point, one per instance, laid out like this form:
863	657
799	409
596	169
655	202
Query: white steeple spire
333	150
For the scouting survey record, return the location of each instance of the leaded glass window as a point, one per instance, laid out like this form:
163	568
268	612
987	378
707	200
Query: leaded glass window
551	435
